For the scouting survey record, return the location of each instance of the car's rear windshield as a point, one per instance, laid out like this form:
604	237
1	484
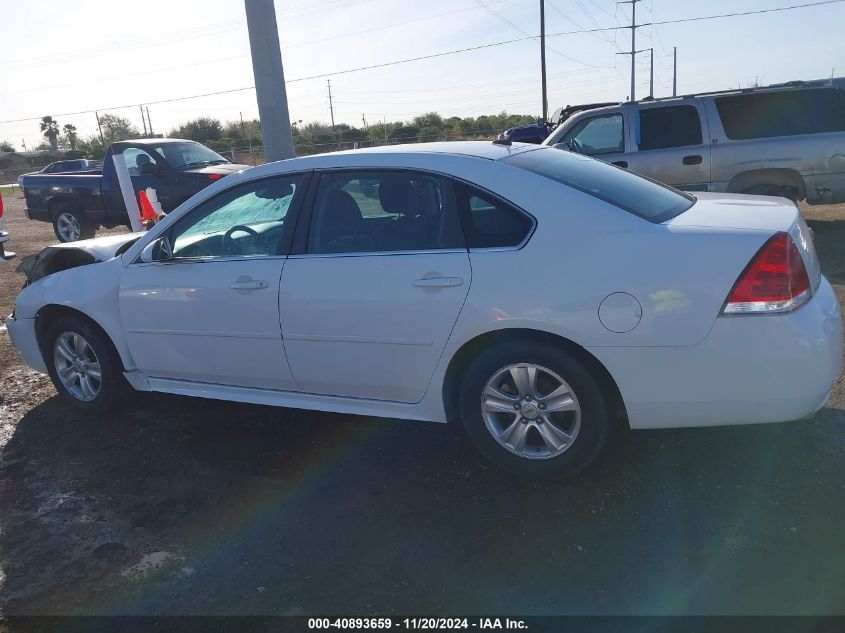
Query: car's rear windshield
646	198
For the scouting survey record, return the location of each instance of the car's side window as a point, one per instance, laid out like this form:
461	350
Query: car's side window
383	211
244	221
597	135
490	222
671	126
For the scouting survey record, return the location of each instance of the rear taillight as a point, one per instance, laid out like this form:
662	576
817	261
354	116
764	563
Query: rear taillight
215	176
1	206
775	280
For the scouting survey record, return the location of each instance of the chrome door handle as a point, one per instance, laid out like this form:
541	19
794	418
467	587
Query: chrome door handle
249	284
438	282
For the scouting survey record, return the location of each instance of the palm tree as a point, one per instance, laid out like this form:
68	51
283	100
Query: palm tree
70	135
50	129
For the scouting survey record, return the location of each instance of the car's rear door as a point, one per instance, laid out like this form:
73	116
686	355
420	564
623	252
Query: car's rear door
374	287
672	144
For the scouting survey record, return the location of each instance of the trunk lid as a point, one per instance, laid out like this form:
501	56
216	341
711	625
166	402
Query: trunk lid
766	214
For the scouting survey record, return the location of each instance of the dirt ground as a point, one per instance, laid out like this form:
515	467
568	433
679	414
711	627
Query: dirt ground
185	506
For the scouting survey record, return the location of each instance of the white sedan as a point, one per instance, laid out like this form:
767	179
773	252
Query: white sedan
535	294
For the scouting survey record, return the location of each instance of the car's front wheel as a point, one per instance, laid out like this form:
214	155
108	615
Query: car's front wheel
83	365
534	410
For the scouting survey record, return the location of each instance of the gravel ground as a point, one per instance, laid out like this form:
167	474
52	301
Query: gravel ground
176	506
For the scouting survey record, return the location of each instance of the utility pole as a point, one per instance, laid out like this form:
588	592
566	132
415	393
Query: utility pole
102	140
651	74
331	105
331	111
149	121
269	75
633	53
543	58
364	120
143	120
674	71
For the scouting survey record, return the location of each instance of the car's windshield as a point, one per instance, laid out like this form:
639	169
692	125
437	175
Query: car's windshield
189	154
641	196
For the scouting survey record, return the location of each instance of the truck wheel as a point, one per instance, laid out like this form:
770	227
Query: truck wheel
71	225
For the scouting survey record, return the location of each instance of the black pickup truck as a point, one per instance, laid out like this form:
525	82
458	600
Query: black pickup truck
77	204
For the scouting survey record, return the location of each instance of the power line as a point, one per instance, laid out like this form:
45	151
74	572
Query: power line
441	54
534	37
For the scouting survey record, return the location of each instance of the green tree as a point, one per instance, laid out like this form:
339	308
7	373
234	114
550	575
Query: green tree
429	134
70	135
91	147
50	131
405	133
116	128
429	120
6	146
200	129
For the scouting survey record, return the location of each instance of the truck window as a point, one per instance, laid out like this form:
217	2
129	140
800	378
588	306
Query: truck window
597	135
672	126
135	157
784	113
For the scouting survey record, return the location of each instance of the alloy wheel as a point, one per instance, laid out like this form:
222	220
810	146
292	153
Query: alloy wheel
68	227
77	366
531	411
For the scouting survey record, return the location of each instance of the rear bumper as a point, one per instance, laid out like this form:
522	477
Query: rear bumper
22	333
749	370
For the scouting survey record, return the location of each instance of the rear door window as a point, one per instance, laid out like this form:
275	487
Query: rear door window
784	113
383	211
490	222
672	126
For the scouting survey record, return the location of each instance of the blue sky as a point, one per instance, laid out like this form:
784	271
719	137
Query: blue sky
58	57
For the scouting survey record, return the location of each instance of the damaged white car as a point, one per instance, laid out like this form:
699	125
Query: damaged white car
537	295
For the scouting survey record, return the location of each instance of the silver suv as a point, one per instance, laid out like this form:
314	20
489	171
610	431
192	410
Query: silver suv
786	140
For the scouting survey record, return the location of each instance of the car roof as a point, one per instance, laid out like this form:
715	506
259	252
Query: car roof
478	149
156	141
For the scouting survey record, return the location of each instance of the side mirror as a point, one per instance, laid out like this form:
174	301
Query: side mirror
564	146
157	251
148	169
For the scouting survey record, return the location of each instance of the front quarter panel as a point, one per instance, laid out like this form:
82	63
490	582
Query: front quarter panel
92	290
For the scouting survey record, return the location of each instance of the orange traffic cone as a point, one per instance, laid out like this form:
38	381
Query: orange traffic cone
148	214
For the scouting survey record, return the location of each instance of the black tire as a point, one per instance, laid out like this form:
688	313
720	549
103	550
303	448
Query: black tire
112	385
782	191
64	210
595	424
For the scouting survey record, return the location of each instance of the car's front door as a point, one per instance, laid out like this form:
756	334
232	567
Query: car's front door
368	304
671	146
210	312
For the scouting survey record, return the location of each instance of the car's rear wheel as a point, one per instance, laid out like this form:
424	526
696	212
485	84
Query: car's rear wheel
83	365
71	225
534	410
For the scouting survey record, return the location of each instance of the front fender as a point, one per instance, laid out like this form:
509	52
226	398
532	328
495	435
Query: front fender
91	290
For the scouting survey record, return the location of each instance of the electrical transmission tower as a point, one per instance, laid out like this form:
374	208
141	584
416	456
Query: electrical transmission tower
633	52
